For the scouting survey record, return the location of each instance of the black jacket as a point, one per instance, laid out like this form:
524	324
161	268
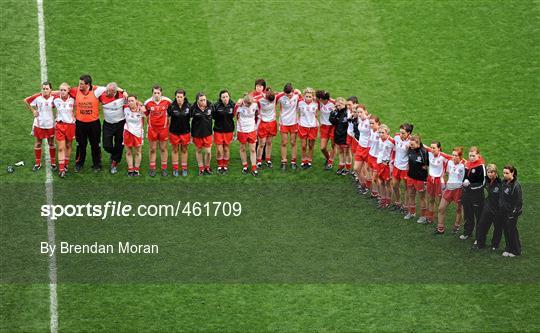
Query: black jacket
201	123
418	163
338	118
223	117
475	173
493	189
180	116
355	128
511	199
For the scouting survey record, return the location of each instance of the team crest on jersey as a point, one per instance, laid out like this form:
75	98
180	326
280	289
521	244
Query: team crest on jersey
152	108
473	171
507	190
496	190
418	159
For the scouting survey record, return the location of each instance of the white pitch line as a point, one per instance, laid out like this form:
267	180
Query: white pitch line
53	297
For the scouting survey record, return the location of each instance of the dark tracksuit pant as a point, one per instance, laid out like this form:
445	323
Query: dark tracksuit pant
473	204
511	234
113	137
487	218
84	132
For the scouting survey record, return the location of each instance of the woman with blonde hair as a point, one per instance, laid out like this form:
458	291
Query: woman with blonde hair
490	213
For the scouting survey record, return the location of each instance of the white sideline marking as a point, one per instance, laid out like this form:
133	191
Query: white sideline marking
48	181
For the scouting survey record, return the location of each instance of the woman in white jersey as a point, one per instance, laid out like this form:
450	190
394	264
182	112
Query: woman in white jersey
401	164
452	192
246	127
326	106
435	180
65	127
133	134
362	150
288	123
267	128
308	126
386	149
373	152
41	106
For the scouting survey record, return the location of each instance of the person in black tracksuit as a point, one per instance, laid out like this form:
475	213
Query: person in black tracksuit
416	178
179	113
339	119
490	213
223	114
510	204
473	192
201	131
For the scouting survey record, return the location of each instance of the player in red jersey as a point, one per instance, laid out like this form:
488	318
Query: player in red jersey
326	106
308	126
41	106
65	127
158	128
133	134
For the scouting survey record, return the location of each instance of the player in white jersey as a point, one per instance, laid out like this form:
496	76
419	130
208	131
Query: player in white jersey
362	149
134	114
326	106
386	149
401	164
65	127
246	127
43	127
435	180
452	192
373	152
267	128
308	126
288	122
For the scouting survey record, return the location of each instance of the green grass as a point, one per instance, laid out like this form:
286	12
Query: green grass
306	254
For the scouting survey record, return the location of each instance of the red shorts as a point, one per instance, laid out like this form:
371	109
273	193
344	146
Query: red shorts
203	142
307	132
419	185
383	171
65	132
288	128
372	162
434	187
250	137
399	174
130	140
452	195
361	153
43	133
158	134
327	131
179	139
223	138
267	129
350	139
354	145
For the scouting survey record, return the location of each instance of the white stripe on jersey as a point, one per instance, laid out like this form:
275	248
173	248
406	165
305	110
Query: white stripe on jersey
134	122
365	132
308	114
326	109
374	143
268	110
43	106
455	175
401	160
436	165
246	118
64	110
288	115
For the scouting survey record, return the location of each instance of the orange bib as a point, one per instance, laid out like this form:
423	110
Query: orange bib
87	106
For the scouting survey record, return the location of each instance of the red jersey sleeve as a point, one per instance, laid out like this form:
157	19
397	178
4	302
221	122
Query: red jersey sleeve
73	92
446	156
30	99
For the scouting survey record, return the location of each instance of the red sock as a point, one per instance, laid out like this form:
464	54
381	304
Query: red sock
412	209
37	153
348	166
397	203
368	183
244	165
422	212
66	162
293	160
136	169
259	160
268	159
184	166
129	169
341	166
330	161
207	166
201	167
253	167
52	153
152	165
61	166
113	163
226	162
175	166
164	166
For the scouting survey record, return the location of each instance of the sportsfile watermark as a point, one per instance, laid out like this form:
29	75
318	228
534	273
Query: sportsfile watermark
120	209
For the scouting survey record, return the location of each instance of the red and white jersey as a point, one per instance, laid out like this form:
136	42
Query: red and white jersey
326	109
456	173
365	132
288	115
437	165
113	107
157	112
64	109
134	122
43	106
267	109
350	128
401	159
246	118
308	114
374	143
385	150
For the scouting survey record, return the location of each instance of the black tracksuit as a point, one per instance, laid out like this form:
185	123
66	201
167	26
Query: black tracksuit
510	203
201	123
223	117
472	198
180	116
339	119
490	214
418	163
